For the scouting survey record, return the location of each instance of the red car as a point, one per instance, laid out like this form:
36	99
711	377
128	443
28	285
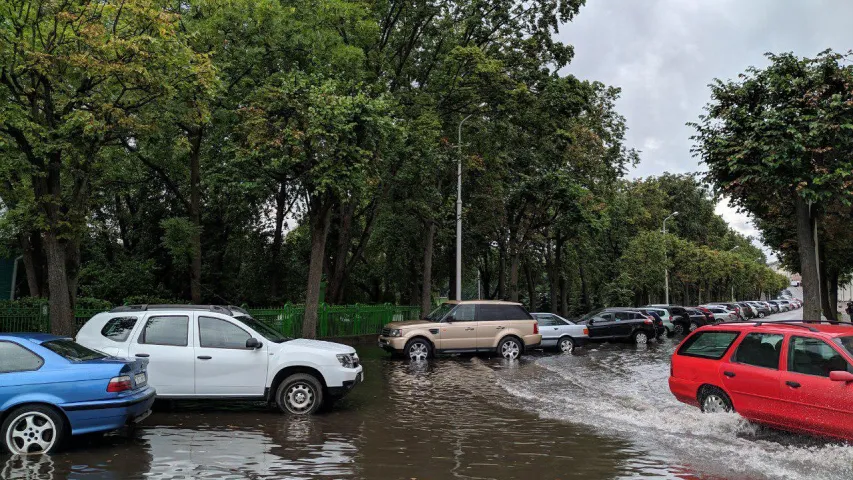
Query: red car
792	376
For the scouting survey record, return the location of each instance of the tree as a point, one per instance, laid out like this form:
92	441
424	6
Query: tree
73	79
782	135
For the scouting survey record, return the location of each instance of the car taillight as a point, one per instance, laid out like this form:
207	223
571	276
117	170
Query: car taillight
119	384
535	328
649	321
670	318
586	331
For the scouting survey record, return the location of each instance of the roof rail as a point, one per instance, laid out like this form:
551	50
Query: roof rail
148	308
793	323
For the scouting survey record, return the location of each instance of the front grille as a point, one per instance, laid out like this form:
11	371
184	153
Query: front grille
386	332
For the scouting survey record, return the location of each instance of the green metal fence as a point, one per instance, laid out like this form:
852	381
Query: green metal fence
332	320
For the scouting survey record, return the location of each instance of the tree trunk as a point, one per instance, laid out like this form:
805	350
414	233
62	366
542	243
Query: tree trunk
277	239
486	278
531	286
33	262
808	260
426	282
513	273
584	288
336	284
502	270
61	308
319	218
563	283
832	289
195	137
553	280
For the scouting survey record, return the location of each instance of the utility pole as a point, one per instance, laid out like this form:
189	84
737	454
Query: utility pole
665	267
459	214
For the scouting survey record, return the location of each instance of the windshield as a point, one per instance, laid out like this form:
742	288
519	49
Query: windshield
72	351
440	312
267	331
846	343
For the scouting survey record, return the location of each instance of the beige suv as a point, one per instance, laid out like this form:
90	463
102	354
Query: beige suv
504	328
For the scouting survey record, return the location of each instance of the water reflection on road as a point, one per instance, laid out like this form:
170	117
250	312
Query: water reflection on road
604	412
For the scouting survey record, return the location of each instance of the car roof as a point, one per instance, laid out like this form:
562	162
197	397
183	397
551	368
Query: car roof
481	302
38	338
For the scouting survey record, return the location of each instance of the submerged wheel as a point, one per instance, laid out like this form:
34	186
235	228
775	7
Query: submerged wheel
641	338
510	348
566	344
714	400
418	350
33	430
300	394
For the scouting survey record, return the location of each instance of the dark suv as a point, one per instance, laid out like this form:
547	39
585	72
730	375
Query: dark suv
685	320
621	324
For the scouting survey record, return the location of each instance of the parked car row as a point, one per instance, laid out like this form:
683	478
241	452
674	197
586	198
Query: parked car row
52	387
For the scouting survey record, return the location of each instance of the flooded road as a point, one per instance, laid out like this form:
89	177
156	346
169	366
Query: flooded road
604	412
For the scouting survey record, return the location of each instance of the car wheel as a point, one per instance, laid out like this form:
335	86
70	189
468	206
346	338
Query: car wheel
714	400
641	338
693	326
760	314
300	394
33	430
509	348
418	350
566	345
678	328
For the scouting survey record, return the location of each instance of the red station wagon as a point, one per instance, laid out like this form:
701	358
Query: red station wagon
792	376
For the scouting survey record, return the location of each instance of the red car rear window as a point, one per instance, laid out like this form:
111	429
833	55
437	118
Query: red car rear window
711	345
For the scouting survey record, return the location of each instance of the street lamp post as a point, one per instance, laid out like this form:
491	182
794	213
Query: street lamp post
665	268
459	214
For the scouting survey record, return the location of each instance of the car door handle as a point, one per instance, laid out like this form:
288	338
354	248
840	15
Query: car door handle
792	384
729	374
556	328
469	328
499	328
204	357
143	355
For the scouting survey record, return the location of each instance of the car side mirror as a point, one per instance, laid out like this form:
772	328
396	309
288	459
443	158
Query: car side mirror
254	343
840	376
590	321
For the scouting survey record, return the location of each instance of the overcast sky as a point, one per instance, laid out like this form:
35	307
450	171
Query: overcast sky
664	53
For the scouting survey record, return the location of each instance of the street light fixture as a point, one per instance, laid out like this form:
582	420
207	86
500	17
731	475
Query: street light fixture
665	268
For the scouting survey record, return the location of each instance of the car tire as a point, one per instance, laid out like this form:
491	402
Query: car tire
565	344
510	348
693	326
760	314
714	400
678	329
418	350
34	429
640	338
300	394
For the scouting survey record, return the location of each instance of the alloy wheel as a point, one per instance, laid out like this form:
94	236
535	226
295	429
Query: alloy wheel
510	350
693	326
679	329
31	433
300	398
641	338
567	345
418	351
714	404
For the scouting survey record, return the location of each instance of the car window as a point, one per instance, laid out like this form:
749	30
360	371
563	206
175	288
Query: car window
605	317
515	312
711	345
620	316
813	356
546	320
218	333
464	313
166	330
119	328
15	358
71	350
760	349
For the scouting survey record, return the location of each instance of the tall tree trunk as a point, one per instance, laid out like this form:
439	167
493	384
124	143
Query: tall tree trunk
502	270
61	307
195	137
336	284
451	267
829	310
31	246
319	218
486	277
808	260
832	289
553	280
531	286
513	272
584	288
277	239
426	281
563	283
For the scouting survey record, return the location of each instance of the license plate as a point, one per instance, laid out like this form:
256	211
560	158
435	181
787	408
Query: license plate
140	379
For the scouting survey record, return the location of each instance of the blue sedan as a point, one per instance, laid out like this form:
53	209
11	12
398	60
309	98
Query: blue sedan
52	388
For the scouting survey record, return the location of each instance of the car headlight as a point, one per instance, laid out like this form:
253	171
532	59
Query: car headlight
395	332
348	360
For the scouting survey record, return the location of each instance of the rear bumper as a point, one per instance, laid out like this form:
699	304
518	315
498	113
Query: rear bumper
106	415
684	390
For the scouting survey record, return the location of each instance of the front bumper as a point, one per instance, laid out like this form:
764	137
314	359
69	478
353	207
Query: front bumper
346	386
392	344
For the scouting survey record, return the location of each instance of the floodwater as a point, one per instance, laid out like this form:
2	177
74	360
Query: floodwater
604	412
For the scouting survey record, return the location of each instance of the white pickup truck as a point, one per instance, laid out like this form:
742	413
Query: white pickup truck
222	352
